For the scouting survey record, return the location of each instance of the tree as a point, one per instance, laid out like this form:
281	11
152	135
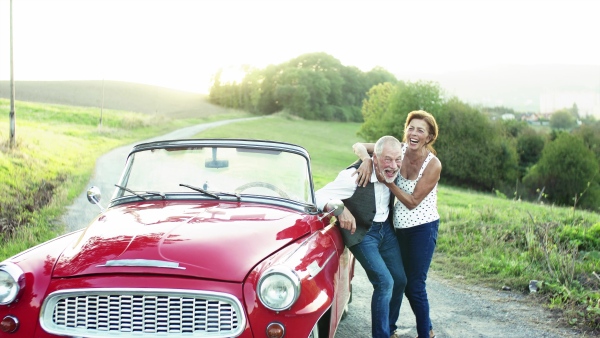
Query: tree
388	105
513	128
589	132
355	86
574	111
562	119
529	147
303	92
294	98
379	75
324	65
251	89
376	113
472	150
566	169
409	96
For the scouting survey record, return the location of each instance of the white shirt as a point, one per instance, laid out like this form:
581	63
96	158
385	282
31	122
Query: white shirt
343	187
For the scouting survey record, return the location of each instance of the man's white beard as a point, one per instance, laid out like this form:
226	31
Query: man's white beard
389	180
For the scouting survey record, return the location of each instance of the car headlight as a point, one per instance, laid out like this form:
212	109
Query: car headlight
278	288
12	281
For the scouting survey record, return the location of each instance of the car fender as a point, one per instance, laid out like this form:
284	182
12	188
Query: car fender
315	261
37	264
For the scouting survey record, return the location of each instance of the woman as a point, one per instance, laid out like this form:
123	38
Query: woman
416	218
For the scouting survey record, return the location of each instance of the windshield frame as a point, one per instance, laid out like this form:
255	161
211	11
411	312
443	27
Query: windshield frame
244	144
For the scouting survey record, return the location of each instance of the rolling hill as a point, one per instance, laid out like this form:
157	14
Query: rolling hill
116	95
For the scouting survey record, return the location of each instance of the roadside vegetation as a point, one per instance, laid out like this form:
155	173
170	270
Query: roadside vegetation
484	238
54	158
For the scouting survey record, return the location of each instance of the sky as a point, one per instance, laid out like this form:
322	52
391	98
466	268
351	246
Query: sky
181	44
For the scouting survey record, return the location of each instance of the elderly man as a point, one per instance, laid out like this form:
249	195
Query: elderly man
369	234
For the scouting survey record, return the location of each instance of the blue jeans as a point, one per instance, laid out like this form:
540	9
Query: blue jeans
379	255
417	245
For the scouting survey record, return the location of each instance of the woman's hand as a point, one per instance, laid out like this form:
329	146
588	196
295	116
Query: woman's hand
364	172
380	177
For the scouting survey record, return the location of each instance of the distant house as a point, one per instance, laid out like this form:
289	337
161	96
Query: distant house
588	102
506	117
530	118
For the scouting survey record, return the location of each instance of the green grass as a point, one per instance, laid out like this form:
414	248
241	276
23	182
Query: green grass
54	157
483	238
499	242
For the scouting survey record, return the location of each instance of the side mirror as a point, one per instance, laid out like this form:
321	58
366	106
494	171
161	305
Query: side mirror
333	207
94	196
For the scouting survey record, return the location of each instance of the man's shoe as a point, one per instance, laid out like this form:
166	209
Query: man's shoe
395	335
431	334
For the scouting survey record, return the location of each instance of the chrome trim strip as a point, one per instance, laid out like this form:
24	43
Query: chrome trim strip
143	263
314	268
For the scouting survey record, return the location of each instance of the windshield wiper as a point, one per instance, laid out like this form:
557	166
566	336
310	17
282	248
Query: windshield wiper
214	194
155	193
131	191
198	189
236	195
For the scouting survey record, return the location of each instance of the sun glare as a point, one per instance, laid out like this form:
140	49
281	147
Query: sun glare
232	75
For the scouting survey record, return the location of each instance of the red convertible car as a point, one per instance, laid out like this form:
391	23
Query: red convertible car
202	238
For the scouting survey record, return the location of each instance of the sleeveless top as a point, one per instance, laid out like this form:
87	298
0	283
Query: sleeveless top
426	211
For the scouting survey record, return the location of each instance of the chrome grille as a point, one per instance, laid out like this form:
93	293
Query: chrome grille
143	313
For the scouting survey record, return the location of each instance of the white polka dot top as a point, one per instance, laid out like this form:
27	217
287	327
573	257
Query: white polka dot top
426	211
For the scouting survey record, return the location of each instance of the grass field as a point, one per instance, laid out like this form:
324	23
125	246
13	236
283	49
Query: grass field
483	238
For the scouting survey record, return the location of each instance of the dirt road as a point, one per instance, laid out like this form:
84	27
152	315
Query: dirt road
457	310
460	311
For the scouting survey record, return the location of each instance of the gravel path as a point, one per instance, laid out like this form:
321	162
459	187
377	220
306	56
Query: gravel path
459	310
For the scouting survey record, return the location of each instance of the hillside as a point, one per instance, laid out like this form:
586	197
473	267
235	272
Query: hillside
117	95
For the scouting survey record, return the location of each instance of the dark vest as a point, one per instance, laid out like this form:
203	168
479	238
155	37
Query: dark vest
362	206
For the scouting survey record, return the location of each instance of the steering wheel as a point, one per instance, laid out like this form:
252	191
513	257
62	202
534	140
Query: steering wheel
258	184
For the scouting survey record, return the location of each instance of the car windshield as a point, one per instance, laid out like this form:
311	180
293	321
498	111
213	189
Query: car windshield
217	171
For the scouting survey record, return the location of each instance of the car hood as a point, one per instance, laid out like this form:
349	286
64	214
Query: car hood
218	241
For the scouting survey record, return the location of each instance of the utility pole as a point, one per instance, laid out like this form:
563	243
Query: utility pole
102	103
13	118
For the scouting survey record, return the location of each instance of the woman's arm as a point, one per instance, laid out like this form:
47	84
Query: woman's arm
431	176
362	150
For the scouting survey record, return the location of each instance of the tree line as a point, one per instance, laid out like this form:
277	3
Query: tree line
313	86
508	157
